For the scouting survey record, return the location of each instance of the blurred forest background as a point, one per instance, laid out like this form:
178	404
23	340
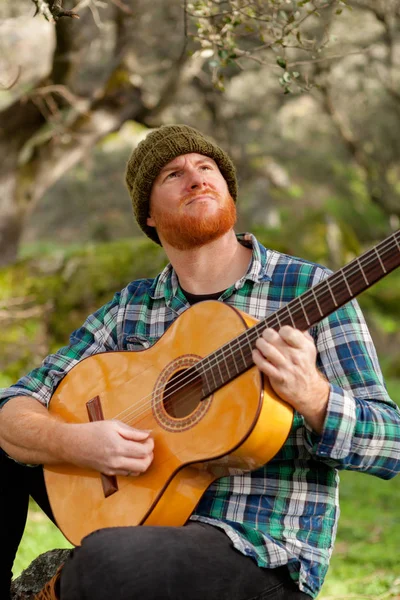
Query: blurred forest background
304	95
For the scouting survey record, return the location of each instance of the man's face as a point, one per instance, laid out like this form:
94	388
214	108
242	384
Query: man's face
190	204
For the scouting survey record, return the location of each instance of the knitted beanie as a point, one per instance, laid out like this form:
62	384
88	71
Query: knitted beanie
160	147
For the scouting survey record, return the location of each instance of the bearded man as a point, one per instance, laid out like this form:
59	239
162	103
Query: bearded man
264	533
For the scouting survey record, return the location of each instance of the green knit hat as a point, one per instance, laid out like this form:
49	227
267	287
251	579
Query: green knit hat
160	147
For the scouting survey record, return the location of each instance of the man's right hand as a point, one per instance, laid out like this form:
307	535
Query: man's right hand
31	435
111	447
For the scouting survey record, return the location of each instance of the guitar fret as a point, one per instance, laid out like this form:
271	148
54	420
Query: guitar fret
362	271
219	369
380	260
303	309
234	360
227	368
255	332
291	317
241	353
316	300
347	284
331	292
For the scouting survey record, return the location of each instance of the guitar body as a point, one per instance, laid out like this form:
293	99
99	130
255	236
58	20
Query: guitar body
210	411
240	427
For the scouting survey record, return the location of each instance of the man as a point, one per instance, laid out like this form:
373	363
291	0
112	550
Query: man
264	534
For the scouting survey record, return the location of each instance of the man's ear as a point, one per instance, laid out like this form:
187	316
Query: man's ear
150	221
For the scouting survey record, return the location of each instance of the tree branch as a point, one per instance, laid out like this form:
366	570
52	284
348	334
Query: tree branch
379	189
53	10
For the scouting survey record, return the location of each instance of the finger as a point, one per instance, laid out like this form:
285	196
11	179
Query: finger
130	474
135	466
266	366
270	335
292	337
138	449
270	352
131	433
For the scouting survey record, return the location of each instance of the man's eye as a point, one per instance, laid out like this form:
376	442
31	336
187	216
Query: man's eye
205	167
173	174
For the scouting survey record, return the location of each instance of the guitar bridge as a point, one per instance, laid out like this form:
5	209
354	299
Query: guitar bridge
95	412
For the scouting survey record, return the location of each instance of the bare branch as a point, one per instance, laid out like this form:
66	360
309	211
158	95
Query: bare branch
53	10
327	58
123	7
25	313
79	104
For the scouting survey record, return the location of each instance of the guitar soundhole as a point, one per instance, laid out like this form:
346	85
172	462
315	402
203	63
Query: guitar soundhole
182	394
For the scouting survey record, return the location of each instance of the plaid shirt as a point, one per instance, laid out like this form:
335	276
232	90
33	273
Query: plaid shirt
285	513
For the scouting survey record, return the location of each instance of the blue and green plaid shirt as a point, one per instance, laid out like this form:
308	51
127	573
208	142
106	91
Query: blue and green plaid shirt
285	513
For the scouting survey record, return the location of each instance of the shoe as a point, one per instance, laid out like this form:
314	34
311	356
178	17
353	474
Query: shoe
51	590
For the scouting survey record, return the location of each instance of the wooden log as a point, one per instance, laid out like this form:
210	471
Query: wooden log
33	579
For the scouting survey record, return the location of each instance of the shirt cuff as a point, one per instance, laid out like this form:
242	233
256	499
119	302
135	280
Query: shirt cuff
14	392
336	438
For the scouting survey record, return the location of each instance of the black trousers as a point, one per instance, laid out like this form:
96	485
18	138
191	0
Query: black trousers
193	562
17	483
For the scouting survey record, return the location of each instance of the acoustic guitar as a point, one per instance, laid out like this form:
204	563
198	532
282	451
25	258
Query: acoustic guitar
210	410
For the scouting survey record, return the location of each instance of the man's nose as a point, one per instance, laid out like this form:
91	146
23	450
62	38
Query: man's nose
195	179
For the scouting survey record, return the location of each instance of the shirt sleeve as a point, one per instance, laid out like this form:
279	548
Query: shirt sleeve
361	430
99	333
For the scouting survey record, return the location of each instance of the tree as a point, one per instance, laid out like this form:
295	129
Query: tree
82	98
53	10
375	150
234	65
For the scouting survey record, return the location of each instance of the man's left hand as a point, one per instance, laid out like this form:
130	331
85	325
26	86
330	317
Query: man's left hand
288	359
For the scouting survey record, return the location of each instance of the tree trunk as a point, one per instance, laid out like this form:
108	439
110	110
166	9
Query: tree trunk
12	213
29	171
11	229
44	135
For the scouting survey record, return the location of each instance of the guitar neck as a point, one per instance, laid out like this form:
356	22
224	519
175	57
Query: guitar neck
235	357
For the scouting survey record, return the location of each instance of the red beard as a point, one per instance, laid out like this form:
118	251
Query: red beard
185	231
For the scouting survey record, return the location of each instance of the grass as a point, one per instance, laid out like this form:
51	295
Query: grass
366	559
40	535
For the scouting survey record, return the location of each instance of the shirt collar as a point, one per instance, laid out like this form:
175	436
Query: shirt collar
166	284
258	264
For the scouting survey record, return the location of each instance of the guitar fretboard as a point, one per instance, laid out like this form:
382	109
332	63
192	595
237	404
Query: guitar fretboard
302	312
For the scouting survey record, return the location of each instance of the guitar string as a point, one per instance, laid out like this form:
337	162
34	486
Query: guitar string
131	410
274	321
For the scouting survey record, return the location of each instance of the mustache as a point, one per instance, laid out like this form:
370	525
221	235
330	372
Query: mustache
197	193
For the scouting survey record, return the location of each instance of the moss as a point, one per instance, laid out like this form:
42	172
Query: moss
55	293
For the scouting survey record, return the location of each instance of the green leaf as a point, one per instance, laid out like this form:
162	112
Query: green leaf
281	62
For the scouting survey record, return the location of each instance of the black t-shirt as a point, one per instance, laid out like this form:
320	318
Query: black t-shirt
193	298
